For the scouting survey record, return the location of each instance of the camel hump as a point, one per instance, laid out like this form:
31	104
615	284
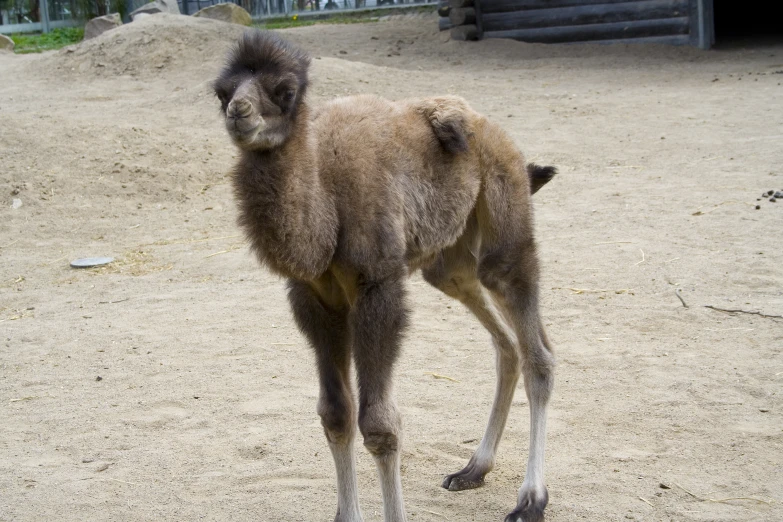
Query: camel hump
450	119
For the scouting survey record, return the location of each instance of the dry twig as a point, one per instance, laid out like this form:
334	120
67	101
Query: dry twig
230	249
740	311
642	261
703	499
434	513
588	291
700	213
677	293
189	241
439	376
30	398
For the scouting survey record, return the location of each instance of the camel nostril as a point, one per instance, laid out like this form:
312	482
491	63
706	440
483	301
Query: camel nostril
240	108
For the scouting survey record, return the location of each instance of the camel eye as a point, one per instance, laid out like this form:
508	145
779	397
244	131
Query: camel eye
285	92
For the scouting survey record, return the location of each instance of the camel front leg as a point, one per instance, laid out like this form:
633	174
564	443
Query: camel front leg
378	318
327	330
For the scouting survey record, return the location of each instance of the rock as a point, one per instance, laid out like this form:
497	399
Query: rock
230	13
16	203
169	6
100	25
6	44
146	10
158	6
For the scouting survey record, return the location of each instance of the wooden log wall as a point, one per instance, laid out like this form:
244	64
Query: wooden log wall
461	17
553	21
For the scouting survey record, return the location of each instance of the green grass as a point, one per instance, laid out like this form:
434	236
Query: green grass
287	23
56	39
323	17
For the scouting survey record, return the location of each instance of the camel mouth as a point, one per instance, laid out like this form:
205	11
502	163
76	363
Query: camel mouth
244	135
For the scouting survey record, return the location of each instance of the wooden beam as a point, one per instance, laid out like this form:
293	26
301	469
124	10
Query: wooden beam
584	33
680	39
586	14
464	32
461	3
505	6
462	16
444	24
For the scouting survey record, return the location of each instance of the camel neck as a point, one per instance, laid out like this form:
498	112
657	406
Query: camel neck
285	210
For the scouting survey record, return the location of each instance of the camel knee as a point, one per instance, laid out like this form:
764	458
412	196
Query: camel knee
509	357
494	272
336	414
510	270
381	429
380	444
539	372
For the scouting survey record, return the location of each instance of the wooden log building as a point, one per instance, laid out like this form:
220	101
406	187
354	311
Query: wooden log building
678	22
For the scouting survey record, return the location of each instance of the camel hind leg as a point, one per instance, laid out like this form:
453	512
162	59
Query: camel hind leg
454	273
508	268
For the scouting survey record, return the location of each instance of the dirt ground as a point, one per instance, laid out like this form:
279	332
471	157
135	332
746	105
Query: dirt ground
173	384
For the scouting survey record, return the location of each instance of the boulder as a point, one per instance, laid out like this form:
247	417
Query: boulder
158	6
169	6
230	13
6	44
100	25
146	10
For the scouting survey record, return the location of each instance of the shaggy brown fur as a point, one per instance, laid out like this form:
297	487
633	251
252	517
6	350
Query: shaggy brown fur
346	201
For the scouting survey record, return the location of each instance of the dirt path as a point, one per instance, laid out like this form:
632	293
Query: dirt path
173	385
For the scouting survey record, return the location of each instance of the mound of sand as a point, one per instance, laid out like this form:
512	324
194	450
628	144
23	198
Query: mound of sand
148	46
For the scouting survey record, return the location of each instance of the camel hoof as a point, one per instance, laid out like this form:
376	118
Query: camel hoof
462	480
530	508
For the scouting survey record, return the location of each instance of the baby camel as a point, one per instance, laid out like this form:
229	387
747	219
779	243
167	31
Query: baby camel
346	201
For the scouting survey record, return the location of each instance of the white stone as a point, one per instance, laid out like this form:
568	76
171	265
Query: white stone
6	44
101	24
230	13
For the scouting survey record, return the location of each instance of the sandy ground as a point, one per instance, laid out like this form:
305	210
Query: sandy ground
173	385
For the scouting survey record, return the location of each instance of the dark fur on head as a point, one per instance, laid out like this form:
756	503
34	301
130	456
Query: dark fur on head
265	53
262	90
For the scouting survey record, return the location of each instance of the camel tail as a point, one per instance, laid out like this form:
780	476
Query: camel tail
539	176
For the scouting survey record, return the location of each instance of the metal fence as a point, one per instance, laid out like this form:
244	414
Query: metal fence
265	8
19	16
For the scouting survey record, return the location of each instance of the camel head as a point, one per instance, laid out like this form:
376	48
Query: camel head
261	89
